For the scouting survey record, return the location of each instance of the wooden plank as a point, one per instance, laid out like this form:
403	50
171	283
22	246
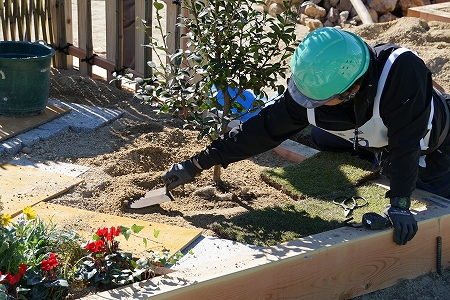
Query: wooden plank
98	61
86	223
434	12
26	186
338	264
10	127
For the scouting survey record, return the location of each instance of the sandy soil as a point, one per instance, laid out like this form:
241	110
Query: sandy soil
127	157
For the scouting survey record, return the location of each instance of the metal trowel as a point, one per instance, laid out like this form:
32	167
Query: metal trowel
152	198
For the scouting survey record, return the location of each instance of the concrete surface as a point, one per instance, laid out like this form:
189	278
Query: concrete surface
82	118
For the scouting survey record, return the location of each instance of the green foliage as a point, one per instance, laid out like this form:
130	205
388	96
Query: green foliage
323	173
311	215
105	265
39	261
24	245
229	46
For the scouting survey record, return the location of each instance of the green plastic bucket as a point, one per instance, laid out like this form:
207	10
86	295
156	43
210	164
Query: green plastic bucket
24	78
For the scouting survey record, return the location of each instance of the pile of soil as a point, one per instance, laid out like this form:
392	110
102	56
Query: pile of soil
127	156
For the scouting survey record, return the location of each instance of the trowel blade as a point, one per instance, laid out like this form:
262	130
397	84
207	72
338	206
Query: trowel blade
153	197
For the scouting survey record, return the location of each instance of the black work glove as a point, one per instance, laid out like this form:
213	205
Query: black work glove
405	226
180	173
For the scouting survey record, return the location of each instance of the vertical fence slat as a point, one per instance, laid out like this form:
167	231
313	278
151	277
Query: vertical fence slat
148	53
18	18
82	22
110	33
43	20
119	42
89	45
139	11
10	18
35	20
25	9
171	21
4	20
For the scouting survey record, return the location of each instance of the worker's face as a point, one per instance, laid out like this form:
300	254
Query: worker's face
344	97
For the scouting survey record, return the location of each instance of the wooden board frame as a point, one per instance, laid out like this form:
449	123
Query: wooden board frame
433	12
337	264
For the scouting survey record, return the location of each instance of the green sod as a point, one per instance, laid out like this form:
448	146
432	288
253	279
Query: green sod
323	173
314	183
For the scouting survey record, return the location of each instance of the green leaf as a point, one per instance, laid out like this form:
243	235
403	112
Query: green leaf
145	242
158	5
151	64
155	233
136	229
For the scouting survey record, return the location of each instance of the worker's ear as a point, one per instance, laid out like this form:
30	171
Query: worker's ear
354	88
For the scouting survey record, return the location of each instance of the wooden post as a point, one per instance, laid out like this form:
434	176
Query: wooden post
62	25
85	35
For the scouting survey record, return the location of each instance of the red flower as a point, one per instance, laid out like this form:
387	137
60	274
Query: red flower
117	231
95	246
50	263
101	232
22	269
14	279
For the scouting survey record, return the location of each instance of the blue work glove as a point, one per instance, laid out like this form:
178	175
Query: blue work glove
405	226
180	173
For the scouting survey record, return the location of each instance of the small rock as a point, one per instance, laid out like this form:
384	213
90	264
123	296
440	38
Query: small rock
276	9
345	5
343	16
387	18
315	11
334	3
313	24
333	15
382	6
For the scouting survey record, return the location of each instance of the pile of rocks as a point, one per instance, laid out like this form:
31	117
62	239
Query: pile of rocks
319	13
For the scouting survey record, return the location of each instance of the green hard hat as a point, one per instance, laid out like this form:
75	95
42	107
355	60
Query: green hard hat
326	63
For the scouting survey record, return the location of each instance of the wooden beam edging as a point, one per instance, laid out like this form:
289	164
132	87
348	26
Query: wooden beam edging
433	12
337	264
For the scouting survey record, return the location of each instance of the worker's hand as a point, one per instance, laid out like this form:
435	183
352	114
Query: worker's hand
405	226
180	173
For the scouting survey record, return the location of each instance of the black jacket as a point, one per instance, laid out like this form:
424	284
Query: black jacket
404	108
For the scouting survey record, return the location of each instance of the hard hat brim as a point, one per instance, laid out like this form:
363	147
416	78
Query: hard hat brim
304	100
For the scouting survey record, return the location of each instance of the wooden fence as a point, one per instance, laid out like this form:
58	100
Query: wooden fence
51	21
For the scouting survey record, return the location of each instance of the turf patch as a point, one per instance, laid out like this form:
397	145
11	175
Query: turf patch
323	173
311	215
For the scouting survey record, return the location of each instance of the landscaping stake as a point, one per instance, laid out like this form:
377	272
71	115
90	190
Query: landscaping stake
439	255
